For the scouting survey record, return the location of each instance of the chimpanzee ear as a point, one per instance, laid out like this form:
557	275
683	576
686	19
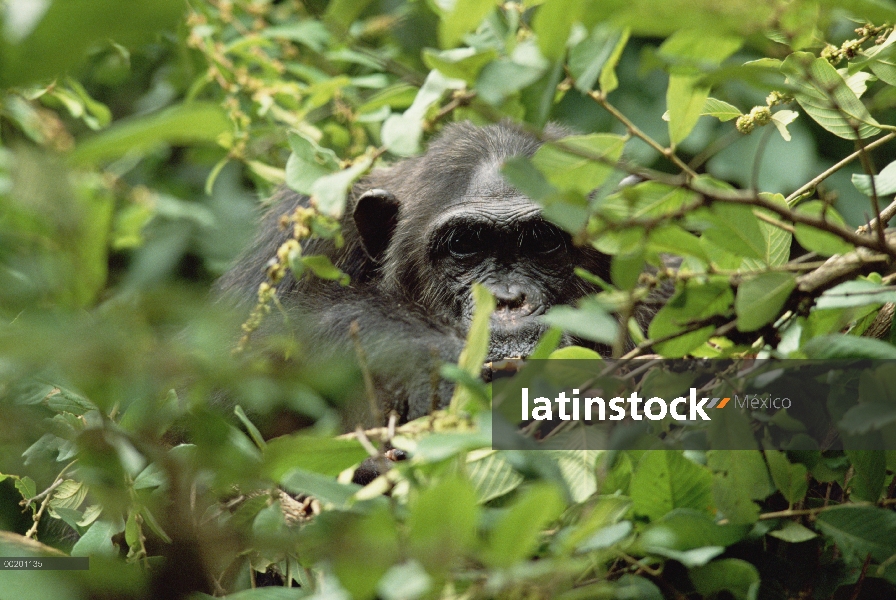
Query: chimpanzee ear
376	215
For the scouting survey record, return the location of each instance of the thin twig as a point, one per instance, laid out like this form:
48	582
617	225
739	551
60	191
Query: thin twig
633	129
811	185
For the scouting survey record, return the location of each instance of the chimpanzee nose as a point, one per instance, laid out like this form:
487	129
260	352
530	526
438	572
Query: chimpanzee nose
509	297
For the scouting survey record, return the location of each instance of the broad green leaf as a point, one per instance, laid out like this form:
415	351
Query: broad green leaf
859	531
591	321
503	77
824	95
666	480
604	512
868	416
476	349
344	12
777	240
516	534
607	537
848	346
329	193
690	52
322	267
791	479
405	580
459	63
553	22
465	16
740	476
693	301
720	109
579	472
738	577
327	456
97	540
195	122
735	228
593	56
402	133
492	476
794	533
323	487
816	240
685	529
439	531
884	183
760	299
307	163
608	80
59	36
856	293
568	171
870	471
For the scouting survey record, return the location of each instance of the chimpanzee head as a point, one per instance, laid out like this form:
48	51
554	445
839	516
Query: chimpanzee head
439	223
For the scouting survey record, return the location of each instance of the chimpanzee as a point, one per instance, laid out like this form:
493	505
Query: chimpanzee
417	236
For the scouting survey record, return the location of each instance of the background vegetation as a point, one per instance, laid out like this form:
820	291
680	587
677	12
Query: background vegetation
136	139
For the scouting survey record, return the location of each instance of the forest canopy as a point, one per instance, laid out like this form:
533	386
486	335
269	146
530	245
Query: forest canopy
736	154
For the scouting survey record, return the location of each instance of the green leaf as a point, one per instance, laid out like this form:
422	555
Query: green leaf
816	240
308	163
777	240
856	293
687	529
859	531
824	95
693	301
848	346
504	77
791	479
516	534
794	533
459	63
465	16
329	192
579	471
492	476
97	540
344	12
736	576
476	349
591	321
553	22
184	124
740	476
62	35
884	183
323	487
322	267
870	471
324	455
760	299
568	171
666	480
441	531
721	110
593	56
691	52
735	228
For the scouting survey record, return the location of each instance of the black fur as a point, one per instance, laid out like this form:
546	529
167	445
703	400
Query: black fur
417	236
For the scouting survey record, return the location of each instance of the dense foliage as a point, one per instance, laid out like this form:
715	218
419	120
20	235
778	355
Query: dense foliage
135	138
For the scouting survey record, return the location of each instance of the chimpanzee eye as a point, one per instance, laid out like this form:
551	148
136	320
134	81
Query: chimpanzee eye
543	239
464	243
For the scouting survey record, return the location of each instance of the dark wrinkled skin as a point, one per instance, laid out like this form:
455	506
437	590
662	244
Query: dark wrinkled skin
439	223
